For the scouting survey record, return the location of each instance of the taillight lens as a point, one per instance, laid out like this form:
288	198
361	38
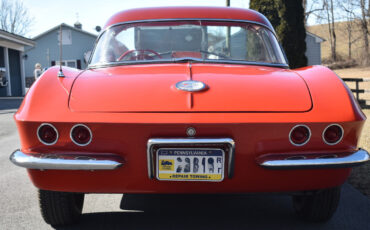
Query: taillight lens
332	134
47	134
81	135
299	135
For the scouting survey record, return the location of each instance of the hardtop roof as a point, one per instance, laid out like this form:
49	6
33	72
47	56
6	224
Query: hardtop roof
188	12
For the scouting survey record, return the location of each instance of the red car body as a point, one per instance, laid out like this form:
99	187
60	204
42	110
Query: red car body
253	106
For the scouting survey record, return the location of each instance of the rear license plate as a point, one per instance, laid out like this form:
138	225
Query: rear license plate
195	164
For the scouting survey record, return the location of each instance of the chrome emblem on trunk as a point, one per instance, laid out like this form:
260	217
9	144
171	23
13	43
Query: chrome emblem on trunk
190	86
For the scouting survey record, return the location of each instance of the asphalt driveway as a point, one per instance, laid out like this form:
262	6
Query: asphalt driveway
19	205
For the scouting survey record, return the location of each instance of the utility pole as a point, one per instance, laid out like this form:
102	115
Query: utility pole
228	42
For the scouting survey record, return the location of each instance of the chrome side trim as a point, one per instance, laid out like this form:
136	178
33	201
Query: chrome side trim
357	158
196	142
49	162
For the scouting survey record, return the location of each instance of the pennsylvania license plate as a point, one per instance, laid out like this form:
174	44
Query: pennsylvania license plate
195	164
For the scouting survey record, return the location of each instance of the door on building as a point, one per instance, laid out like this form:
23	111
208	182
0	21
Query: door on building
15	72
2	66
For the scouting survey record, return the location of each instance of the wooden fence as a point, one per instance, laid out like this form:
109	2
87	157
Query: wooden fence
364	103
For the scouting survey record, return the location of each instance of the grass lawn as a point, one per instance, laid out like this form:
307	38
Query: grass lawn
357	72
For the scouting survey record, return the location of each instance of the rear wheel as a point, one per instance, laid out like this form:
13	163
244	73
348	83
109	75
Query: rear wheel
318	206
60	208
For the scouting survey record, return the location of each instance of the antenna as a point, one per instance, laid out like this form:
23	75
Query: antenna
60	73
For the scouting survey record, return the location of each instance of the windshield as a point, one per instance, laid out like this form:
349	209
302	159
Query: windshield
183	40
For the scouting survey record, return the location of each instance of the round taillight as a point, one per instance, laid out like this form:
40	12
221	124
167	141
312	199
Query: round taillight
81	135
299	135
332	134
47	134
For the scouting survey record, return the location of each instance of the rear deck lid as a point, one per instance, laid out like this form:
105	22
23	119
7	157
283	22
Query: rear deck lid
151	88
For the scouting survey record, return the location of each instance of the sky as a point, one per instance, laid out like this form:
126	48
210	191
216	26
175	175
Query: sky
91	13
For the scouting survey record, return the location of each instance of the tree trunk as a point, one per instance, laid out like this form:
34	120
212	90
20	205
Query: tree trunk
349	30
304	4
365	32
334	48
331	39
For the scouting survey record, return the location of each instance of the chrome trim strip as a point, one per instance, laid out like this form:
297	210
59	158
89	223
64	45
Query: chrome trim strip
192	142
308	139
355	159
38	136
195	60
79	163
76	143
323	136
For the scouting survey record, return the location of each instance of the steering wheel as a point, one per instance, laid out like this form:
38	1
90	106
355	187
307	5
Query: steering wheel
140	54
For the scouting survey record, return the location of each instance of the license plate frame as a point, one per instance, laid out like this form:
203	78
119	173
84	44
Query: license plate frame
191	153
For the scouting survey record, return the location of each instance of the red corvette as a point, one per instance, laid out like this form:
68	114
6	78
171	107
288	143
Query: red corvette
188	100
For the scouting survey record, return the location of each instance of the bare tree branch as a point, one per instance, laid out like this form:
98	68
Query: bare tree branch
311	7
365	31
14	17
348	8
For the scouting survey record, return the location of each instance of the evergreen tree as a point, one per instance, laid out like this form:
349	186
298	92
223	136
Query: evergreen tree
267	8
287	17
292	32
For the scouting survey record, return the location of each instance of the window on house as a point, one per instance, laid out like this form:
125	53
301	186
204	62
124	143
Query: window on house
69	63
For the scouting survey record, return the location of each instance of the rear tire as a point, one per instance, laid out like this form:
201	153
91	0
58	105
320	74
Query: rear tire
318	206
60	208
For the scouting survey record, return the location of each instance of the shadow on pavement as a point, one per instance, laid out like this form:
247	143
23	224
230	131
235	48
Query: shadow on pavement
223	212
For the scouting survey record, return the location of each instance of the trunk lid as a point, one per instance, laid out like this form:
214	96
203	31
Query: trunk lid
151	88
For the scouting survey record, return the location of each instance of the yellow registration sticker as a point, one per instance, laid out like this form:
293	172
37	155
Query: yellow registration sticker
183	164
166	165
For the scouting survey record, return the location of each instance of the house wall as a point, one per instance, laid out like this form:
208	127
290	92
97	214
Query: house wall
313	51
46	50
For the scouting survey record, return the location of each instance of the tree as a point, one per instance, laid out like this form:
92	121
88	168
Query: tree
267	8
328	7
349	10
311	7
360	18
292	31
287	17
365	30
14	17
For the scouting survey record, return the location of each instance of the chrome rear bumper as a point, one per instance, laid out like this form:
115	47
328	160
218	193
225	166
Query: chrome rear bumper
354	159
56	161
